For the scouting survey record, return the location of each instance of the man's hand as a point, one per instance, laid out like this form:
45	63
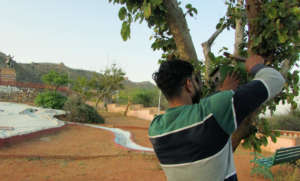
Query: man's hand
231	82
252	61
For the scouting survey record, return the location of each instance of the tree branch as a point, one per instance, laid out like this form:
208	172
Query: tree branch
207	49
179	29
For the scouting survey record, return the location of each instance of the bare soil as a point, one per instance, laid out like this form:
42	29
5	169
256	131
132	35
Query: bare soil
79	153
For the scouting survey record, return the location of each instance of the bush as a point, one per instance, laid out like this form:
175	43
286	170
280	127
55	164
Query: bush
50	99
145	97
286	122
78	111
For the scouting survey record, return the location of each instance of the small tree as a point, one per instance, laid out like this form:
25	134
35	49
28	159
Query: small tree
55	79
51	99
149	98
107	84
83	87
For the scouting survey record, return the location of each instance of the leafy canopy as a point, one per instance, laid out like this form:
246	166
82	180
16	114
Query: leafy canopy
275	35
108	83
55	79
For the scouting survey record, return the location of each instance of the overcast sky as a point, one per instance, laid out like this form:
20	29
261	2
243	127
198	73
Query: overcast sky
86	34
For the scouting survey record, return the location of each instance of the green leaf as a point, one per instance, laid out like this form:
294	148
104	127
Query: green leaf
264	141
218	26
122	13
282	36
147	10
272	13
125	31
257	41
188	6
156	2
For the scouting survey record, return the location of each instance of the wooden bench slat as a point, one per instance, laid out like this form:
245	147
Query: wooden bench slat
289	148
286	156
281	155
296	152
287	159
287	151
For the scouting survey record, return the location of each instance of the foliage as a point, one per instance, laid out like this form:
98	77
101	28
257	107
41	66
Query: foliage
281	174
107	84
50	99
83	87
276	38
55	79
147	97
78	111
287	121
258	169
260	130
154	13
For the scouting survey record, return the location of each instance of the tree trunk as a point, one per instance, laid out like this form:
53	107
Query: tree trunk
252	7
97	102
239	32
179	29
127	107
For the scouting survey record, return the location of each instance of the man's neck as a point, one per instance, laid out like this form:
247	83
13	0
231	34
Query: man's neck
180	101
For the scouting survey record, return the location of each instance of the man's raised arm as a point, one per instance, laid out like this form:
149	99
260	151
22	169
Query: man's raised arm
267	83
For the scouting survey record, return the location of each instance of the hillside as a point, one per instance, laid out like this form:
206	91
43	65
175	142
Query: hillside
33	72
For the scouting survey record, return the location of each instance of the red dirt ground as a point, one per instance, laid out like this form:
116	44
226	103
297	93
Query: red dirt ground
79	153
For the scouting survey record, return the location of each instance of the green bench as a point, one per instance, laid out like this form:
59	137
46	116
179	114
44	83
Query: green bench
283	155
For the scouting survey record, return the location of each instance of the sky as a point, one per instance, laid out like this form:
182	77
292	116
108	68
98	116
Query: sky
86	34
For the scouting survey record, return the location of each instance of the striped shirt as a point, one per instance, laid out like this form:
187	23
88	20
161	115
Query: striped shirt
193	142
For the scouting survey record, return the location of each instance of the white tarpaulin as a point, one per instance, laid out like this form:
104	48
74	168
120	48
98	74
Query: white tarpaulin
19	119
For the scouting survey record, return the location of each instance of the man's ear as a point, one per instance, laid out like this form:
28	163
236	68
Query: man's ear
188	85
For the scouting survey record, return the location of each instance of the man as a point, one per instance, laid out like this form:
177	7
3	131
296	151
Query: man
192	140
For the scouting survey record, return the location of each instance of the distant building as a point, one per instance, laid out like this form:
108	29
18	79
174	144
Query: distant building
7	76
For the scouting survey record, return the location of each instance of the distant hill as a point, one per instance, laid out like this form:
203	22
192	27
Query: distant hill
33	72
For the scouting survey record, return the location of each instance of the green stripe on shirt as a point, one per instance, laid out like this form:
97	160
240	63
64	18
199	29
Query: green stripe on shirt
220	105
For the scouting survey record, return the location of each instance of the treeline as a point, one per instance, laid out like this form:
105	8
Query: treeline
104	88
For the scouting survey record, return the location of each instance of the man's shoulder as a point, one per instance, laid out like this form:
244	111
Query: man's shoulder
217	99
176	119
155	125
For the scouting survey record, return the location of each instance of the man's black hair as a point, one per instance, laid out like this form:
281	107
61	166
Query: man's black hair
171	77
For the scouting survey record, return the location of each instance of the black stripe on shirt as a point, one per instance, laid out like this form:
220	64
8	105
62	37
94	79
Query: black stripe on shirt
232	178
191	144
249	97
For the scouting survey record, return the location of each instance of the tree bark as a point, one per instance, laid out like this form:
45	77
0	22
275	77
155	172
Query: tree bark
239	32
180	31
207	49
97	102
252	7
127	107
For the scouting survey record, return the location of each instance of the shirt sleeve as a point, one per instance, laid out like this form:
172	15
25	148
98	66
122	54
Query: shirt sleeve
266	84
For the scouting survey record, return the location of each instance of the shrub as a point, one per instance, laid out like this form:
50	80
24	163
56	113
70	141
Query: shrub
50	99
287	121
145	97
78	111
